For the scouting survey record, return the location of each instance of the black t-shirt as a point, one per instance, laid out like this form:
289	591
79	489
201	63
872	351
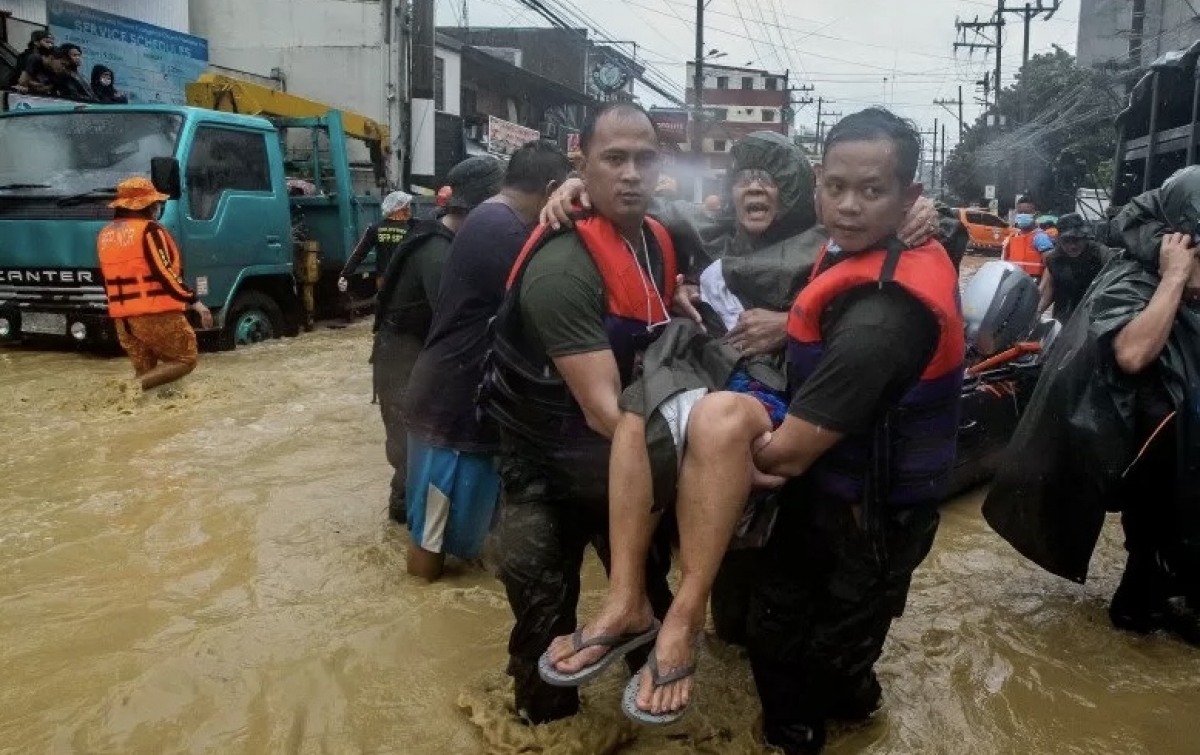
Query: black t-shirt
877	341
1071	276
440	404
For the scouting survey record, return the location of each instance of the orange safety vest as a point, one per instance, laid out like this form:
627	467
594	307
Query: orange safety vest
922	430
130	283
1019	250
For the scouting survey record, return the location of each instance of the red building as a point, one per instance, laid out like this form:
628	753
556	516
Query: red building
735	102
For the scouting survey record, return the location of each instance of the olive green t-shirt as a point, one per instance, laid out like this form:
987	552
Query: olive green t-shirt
563	298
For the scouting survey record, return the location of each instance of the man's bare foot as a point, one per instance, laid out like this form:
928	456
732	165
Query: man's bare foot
616	617
675	655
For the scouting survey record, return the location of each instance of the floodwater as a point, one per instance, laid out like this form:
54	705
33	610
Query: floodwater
210	571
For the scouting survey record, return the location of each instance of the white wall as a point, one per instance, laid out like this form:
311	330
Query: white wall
452	81
329	50
169	14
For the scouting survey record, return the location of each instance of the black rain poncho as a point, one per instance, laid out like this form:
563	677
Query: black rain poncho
1064	464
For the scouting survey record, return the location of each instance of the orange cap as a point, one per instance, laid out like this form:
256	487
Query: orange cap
136	193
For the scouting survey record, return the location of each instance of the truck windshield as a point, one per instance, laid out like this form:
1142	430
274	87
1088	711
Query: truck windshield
67	153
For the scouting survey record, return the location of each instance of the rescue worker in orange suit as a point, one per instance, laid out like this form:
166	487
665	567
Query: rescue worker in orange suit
147	296
582	305
875	366
1025	247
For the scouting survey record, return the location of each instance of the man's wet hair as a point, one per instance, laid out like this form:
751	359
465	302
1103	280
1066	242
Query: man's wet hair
64	50
625	109
878	123
1026	199
536	164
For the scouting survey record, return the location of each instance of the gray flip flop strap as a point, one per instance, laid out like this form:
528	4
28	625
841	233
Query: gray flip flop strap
660	680
609	641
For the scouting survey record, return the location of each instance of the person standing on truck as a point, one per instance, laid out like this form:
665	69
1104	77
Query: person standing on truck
1022	248
1071	267
41	42
407	299
385	237
452	495
34	72
144	285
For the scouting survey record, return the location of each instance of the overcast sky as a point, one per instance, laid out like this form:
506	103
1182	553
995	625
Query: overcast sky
844	49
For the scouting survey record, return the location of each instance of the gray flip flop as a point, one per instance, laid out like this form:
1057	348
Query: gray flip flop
618	646
629	699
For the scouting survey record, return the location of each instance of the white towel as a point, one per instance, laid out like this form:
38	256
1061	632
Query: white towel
717	295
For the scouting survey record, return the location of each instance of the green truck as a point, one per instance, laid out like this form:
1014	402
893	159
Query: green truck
262	237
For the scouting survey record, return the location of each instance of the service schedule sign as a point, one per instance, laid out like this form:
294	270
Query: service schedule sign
151	64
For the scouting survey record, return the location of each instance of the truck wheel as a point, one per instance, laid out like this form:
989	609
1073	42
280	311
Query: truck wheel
253	318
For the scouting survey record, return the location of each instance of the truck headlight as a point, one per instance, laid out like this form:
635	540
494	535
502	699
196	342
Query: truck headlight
5	327
78	331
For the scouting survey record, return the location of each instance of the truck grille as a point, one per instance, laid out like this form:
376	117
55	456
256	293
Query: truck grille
51	287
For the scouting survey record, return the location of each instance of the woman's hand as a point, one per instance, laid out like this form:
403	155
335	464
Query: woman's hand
921	224
557	212
759	332
687	296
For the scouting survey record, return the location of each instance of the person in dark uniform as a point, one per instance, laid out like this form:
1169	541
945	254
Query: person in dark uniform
453	486
1071	267
385	237
582	304
875	367
407	295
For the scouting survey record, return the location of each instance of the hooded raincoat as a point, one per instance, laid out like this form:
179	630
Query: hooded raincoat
1066	461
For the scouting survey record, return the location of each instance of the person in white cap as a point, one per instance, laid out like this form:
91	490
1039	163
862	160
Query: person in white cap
385	237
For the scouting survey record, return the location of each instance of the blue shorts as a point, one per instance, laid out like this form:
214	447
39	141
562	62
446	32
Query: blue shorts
775	402
451	500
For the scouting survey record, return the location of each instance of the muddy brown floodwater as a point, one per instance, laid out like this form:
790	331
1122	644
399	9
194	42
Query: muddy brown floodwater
209	571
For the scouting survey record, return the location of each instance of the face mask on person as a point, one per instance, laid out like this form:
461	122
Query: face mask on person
1024	221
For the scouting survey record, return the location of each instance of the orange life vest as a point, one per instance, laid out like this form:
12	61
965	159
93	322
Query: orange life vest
630	291
920	434
130	283
522	392
1019	250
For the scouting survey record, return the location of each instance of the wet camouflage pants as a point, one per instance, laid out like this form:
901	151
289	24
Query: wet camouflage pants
547	520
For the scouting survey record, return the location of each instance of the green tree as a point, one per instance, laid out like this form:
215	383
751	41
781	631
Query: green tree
1065	140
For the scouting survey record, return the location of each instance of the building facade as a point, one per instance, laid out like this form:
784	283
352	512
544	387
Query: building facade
1111	37
734	102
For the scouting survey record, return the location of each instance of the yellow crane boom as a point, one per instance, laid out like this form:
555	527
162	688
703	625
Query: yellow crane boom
216	92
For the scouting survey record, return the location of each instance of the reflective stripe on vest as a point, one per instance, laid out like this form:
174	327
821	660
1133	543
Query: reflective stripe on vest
924	425
130	284
1020	251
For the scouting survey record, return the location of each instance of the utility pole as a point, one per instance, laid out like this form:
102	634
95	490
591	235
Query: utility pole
697	112
928	167
822	127
942	172
1028	13
423	148
995	44
946	106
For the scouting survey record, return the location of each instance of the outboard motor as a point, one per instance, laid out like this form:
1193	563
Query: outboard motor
999	307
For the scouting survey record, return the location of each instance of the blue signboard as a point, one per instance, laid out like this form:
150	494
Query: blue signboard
151	64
